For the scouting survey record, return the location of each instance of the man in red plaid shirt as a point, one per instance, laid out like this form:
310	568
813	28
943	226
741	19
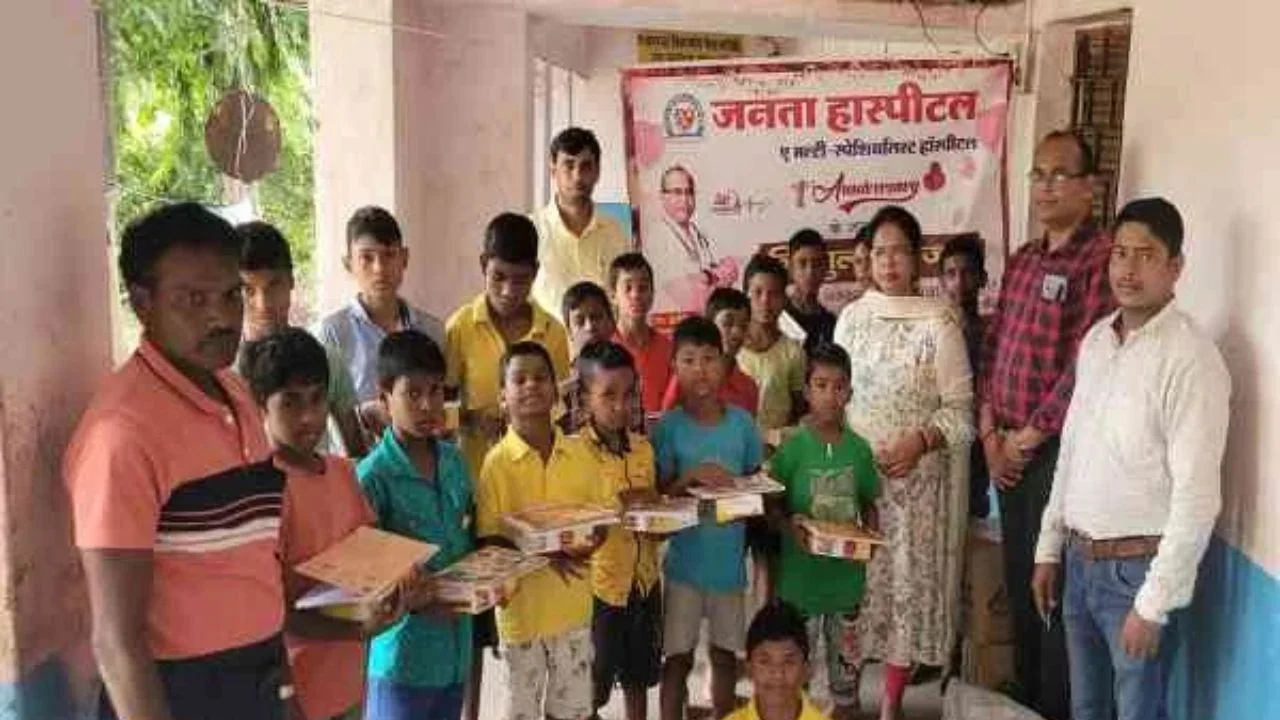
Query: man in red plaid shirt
1054	289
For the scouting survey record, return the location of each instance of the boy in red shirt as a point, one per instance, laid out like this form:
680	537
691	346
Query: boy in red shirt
289	375
730	310
631	285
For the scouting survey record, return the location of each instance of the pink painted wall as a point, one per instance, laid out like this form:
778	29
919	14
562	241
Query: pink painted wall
55	321
1201	127
463	135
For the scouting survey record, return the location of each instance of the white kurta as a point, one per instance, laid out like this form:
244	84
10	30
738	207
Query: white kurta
911	370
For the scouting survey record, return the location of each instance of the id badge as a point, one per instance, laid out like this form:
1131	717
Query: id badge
1054	288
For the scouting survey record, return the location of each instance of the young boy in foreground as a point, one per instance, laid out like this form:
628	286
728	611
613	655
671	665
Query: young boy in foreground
419	487
266	269
729	310
807	263
624	571
703	442
589	317
289	375
631	284
546	627
830	474
778	666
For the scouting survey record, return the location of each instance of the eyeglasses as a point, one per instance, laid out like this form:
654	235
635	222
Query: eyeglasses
1057	177
682	192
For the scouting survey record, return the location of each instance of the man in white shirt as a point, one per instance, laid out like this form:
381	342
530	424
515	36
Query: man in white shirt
1136	490
575	240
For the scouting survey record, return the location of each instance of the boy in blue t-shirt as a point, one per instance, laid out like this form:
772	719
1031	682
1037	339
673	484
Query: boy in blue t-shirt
419	487
703	442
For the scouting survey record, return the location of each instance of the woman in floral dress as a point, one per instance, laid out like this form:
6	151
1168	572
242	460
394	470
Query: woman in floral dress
912	400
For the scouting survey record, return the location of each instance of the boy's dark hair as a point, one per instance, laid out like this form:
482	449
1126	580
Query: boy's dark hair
904	220
572	141
601	355
806	238
966	245
289	356
761	264
862	236
578	294
407	352
696	331
1088	161
525	348
186	224
724	298
264	247
628	262
376	224
828	355
511	238
778	621
1161	218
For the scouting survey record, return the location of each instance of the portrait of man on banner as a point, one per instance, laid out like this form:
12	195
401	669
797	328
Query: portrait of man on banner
694	266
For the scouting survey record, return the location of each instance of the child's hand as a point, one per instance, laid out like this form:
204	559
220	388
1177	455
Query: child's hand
635	495
712	475
871	520
567	566
387	612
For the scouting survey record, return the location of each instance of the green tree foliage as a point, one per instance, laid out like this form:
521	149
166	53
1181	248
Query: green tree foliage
170	62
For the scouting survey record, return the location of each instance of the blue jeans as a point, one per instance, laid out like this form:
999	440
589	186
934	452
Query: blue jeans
392	701
1097	598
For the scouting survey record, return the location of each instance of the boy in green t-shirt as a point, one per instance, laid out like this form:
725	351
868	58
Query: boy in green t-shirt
830	474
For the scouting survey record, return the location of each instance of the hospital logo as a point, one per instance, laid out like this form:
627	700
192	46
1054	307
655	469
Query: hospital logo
683	117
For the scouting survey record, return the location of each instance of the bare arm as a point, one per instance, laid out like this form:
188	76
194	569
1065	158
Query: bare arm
119	584
349	429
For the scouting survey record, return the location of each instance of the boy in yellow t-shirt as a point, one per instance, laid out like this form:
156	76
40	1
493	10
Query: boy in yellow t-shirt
773	360
546	627
778	666
624	571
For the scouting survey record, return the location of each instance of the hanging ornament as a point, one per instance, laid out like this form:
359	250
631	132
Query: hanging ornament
242	136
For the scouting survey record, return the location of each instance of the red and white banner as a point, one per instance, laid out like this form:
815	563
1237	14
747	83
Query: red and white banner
727	159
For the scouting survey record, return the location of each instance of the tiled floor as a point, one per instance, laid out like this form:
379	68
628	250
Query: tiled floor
923	702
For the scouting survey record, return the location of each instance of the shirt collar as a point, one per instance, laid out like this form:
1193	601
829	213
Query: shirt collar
515	446
165	370
1088	230
553	214
358	311
1150	327
395	453
807	709
537	329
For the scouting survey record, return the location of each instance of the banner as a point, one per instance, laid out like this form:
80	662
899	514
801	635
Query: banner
729	159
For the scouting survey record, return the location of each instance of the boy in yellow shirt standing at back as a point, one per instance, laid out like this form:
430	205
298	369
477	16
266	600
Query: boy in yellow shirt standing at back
624	571
476	337
546	627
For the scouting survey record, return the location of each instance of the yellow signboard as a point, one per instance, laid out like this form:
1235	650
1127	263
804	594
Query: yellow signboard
662	46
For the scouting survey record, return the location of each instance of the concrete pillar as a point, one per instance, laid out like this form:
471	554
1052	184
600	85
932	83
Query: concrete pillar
426	112
354	98
55	342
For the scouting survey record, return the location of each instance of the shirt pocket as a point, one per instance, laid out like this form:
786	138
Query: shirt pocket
1130	421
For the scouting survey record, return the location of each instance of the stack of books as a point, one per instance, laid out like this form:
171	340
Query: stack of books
484	578
552	528
743	498
660	516
846	541
359	573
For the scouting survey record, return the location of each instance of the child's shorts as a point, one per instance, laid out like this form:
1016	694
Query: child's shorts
627	644
387	700
550	677
683	609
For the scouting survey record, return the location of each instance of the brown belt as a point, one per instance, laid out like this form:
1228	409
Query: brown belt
1116	548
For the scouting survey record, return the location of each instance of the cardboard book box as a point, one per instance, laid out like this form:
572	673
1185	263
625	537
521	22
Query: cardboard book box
359	572
552	528
484	578
845	541
661	516
743	498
